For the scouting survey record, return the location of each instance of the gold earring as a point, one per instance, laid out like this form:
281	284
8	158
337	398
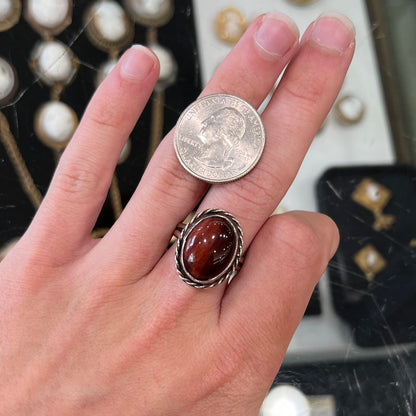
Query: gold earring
370	261
374	196
230	25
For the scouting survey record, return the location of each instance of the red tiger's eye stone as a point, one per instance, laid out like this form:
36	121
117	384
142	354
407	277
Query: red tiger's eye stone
209	248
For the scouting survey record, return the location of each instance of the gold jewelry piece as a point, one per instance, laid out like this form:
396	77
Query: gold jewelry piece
55	123
150	13
18	163
8	81
230	25
370	261
48	17
349	109
9	13
167	76
374	196
108	26
54	63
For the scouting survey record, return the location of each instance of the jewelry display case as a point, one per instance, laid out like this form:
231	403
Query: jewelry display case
354	352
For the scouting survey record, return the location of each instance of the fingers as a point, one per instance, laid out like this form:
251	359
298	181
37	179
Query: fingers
292	118
303	98
84	173
168	193
268	297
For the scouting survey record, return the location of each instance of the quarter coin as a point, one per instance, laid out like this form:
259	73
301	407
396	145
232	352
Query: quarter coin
219	138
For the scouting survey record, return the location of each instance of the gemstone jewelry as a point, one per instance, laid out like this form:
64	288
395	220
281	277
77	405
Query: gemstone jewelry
56	66
108	27
10	11
54	62
209	248
370	261
167	77
230	25
48	17
55	123
349	110
150	13
8	81
374	196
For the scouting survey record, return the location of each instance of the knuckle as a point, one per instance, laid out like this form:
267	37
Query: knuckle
227	361
173	185
105	117
300	240
76	178
305	94
258	191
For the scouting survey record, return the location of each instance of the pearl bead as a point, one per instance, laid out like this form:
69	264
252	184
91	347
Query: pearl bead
8	80
54	62
55	123
48	13
110	20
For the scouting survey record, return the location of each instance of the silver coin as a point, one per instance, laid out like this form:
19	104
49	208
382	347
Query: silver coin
219	138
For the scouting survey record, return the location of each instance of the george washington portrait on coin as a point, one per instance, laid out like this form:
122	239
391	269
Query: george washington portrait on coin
220	136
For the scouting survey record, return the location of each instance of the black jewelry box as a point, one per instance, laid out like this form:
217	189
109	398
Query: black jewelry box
16	45
377	298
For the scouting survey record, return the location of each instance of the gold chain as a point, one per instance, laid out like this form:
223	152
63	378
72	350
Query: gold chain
18	163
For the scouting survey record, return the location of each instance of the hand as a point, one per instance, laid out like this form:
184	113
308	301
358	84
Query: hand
106	327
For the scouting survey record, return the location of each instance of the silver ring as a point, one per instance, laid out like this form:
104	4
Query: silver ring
209	249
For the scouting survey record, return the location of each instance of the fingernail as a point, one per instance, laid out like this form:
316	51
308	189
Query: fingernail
137	63
333	32
276	35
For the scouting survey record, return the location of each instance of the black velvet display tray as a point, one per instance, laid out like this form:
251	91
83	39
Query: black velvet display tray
382	311
16	44
362	388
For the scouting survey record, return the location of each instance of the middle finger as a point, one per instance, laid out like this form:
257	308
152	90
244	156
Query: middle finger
168	193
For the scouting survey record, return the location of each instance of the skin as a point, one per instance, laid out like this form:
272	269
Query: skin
105	327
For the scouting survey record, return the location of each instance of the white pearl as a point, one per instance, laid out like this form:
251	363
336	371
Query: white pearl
373	192
104	70
285	400
7	79
48	13
371	259
351	108
168	67
54	62
149	8
233	26
57	121
109	19
6	8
